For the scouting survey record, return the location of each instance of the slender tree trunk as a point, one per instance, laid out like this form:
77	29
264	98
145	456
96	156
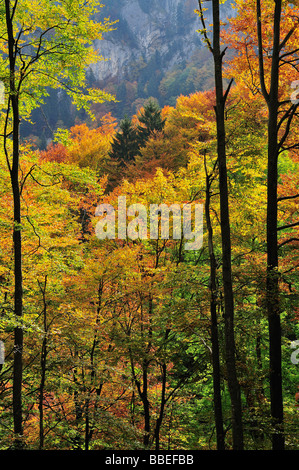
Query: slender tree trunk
163	399
44	353
89	427
143	394
272	288
146	407
272	296
233	384
79	408
162	407
17	239
214	325
41	394
18	309
88	431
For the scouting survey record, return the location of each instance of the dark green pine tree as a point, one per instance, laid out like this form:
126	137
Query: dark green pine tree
150	121
129	140
124	147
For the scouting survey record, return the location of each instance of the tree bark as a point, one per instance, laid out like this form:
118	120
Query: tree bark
43	362
17	239
214	324
272	287
162	407
159	420
143	394
233	383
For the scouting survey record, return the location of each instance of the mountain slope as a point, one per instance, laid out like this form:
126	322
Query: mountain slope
155	51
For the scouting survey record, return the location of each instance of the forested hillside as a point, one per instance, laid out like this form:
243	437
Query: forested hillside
152	51
115	339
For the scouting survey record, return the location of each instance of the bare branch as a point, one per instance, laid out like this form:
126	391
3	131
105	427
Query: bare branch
25	178
287	197
290	113
204	27
288	241
295	224
289	53
287	37
260	51
228	89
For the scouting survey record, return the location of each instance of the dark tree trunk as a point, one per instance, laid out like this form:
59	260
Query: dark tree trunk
17	239
233	384
162	407
143	394
272	287
146	406
44	354
214	324
163	399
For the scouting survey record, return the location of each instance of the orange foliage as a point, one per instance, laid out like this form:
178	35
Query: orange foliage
241	36
86	147
56	152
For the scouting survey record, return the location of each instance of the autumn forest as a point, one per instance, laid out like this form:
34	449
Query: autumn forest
132	343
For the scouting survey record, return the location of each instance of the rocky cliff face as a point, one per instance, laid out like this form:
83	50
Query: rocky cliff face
147	28
155	52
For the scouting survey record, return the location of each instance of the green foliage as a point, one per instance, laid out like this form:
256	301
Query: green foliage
124	147
130	139
187	78
150	121
54	42
117	332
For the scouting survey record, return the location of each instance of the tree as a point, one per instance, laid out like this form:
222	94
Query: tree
150	121
221	98
42	46
124	147
267	60
213	308
275	146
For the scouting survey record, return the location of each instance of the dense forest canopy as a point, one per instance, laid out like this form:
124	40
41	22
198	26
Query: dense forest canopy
131	343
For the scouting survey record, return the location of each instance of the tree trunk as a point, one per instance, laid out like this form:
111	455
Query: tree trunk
146	407
272	288
44	354
233	384
162	407
143	394
272	294
214	325
17	239
88	431
163	399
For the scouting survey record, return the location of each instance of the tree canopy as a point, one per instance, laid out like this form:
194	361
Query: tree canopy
136	343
